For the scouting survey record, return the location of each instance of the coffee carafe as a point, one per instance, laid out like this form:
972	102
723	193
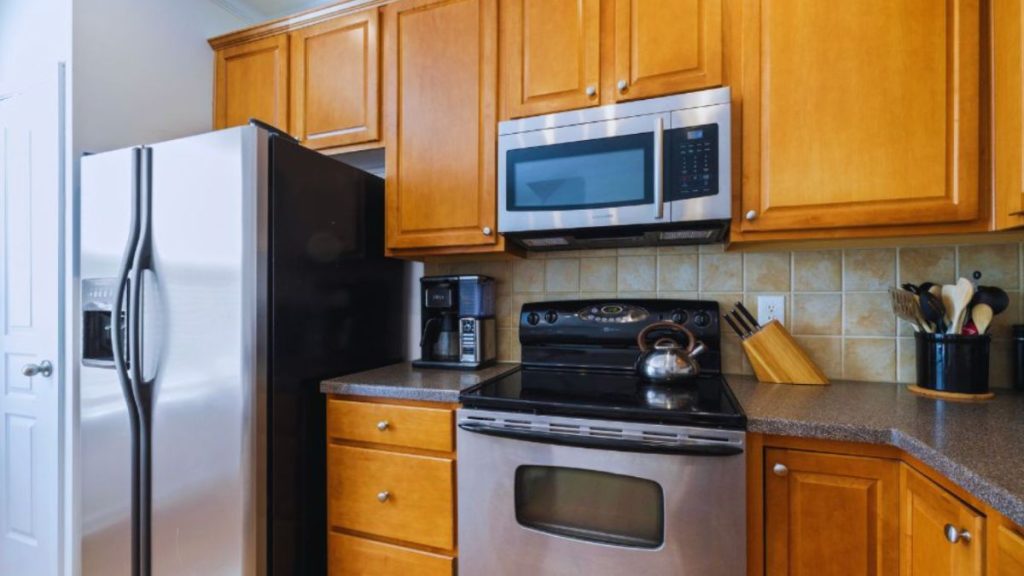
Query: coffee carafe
458	326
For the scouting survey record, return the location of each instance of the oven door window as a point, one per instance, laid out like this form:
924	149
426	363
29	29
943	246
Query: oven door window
591	505
601	173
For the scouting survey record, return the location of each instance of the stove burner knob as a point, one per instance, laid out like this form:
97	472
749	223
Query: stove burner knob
702	319
551	316
679	317
533	318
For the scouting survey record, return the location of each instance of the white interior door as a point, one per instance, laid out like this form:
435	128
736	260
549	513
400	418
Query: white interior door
30	301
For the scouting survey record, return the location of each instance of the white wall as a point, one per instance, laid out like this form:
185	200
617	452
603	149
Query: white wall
34	36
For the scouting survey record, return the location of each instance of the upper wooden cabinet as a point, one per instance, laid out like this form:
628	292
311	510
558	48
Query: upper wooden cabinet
335	84
252	82
1008	112
551	51
859	114
941	535
820	508
558	54
440	67
666	46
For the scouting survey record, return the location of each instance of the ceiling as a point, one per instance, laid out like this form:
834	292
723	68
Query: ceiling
259	10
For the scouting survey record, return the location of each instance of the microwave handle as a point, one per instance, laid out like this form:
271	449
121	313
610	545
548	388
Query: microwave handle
659	159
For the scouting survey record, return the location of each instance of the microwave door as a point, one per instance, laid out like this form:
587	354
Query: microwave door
698	161
582	176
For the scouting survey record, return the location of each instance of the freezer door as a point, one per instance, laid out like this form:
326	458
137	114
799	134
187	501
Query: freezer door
203	353
105	457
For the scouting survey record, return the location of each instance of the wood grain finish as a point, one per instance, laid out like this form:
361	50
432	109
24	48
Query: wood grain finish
776	357
926	509
420	495
859	113
550	55
440	65
827	507
666	46
1007	556
335	95
1008	112
252	82
403	426
353	556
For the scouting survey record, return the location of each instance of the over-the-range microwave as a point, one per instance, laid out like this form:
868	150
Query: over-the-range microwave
639	173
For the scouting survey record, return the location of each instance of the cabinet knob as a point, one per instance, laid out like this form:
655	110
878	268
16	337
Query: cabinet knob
383	496
751	214
591	90
780	470
488	231
622	85
954	534
383	425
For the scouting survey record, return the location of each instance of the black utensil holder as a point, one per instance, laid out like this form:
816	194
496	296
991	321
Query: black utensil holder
953	362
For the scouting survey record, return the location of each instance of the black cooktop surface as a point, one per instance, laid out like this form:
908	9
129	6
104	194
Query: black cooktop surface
702	401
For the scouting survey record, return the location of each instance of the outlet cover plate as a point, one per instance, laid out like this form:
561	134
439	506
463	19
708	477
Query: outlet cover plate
771	308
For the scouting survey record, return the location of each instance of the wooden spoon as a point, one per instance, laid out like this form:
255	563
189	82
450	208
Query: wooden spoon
982	316
961	300
948	291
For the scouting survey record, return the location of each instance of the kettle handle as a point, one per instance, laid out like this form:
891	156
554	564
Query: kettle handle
641	338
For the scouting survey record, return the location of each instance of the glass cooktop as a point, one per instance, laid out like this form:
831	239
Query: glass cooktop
702	401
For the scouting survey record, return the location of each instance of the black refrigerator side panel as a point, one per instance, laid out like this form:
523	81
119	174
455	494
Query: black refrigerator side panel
336	307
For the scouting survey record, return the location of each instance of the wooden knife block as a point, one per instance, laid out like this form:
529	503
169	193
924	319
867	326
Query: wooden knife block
777	358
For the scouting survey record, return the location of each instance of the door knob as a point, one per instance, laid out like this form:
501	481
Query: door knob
751	214
622	85
383	425
591	90
954	535
383	495
487	231
44	369
780	470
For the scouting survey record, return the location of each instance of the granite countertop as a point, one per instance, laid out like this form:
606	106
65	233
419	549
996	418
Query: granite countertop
404	382
977	445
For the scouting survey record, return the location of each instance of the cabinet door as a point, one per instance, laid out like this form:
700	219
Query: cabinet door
550	55
252	82
859	113
335	87
1009	554
666	46
1008	111
440	122
824	507
929	512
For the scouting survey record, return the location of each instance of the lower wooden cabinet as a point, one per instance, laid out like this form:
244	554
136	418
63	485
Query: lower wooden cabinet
941	535
390	488
1006	551
823	507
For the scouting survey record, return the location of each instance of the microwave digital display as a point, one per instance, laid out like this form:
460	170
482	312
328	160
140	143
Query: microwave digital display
691	162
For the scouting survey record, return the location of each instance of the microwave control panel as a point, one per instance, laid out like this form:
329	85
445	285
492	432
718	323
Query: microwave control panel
691	162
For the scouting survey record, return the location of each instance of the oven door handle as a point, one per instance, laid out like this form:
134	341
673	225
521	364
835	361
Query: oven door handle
622	445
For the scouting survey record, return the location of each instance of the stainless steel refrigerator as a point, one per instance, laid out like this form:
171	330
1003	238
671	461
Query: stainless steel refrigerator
222	276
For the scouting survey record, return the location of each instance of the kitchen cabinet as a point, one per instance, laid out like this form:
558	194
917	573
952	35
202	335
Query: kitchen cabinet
560	55
440	67
334	79
858	115
390	487
252	82
1006	557
1008	112
822	507
940	533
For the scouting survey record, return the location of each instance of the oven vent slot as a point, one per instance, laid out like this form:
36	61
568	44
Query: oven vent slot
560	428
659	435
708	438
481	419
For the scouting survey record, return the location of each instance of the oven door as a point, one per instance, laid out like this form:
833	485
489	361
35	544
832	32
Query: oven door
593	174
550	496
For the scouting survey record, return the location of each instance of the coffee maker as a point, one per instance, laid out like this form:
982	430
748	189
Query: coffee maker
458	326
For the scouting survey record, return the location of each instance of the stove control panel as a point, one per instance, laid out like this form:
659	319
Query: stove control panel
619	313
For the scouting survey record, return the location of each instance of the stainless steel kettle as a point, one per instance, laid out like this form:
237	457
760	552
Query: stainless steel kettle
668	360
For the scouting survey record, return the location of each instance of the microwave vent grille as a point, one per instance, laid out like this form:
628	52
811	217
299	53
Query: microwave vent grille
688	234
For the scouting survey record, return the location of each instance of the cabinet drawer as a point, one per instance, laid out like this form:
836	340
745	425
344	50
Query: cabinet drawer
408	426
351	556
401	496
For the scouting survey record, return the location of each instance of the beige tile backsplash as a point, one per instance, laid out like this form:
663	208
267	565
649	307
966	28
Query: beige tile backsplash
837	306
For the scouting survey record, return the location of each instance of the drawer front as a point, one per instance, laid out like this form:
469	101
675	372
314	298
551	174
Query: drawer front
400	496
407	426
351	556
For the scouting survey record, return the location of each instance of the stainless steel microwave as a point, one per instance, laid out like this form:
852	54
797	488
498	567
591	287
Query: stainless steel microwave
648	172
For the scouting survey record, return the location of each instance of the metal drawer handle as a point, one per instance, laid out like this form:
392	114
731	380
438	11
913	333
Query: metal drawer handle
751	215
383	425
44	369
780	470
954	535
383	496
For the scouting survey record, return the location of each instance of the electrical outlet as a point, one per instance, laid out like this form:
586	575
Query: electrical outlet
771	308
